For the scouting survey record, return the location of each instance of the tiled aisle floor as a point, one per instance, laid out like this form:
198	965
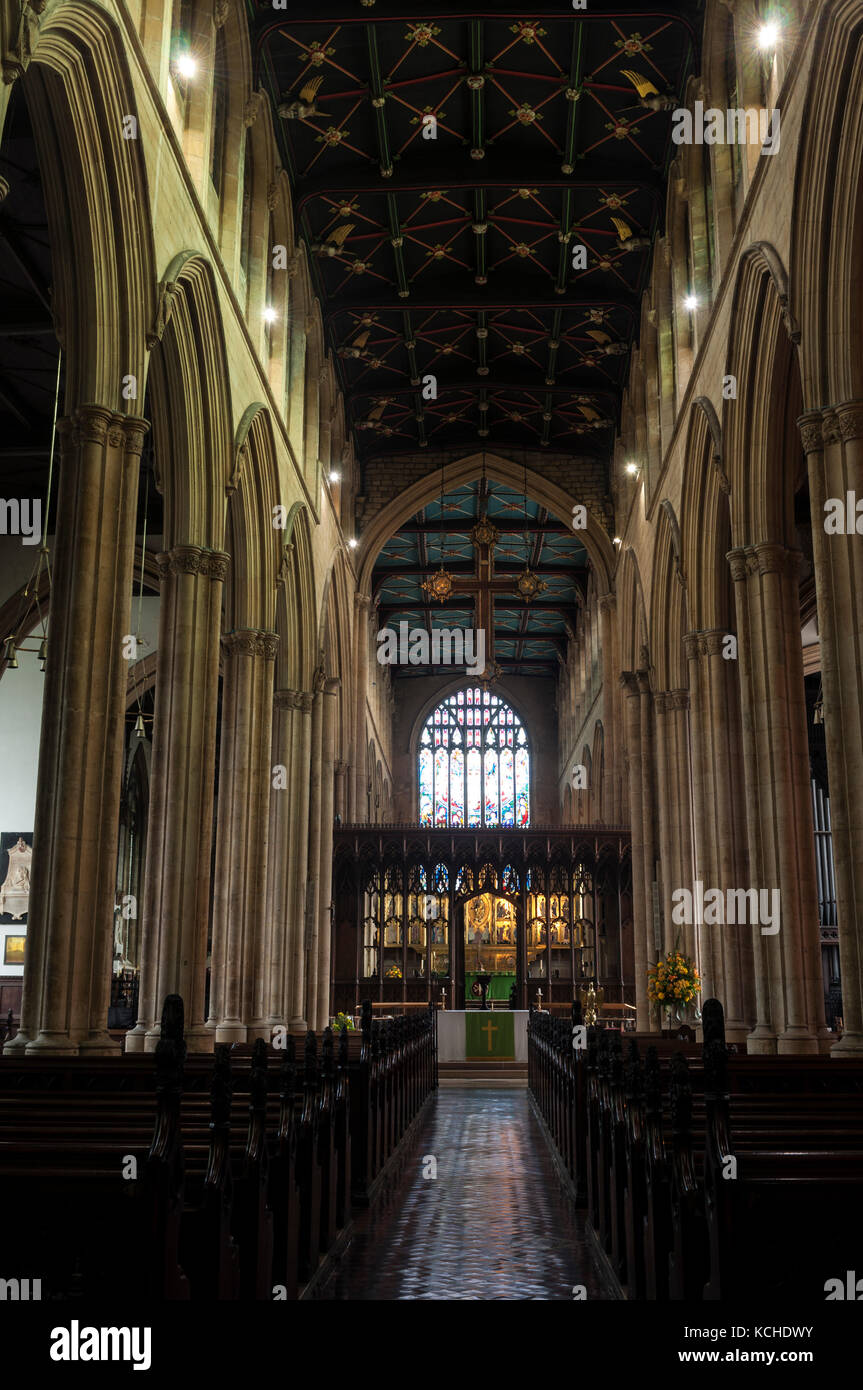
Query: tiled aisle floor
494	1224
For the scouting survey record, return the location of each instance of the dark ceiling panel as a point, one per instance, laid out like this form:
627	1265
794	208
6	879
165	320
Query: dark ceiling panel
452	256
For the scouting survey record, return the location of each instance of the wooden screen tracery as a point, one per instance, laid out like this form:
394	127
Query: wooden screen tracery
562	901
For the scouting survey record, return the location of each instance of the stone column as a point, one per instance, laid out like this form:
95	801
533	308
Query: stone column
721	852
728	859
325	863
833	442
313	886
681	817
781	838
237	1003
611	809
630	685
296	387
339	798
647	809
281	858
362	605
67	971
706	936
176	903
666	801
295	982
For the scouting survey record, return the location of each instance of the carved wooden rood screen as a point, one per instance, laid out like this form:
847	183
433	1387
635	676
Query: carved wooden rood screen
420	912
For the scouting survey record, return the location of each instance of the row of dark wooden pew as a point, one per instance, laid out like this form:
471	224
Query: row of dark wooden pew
202	1177
706	1173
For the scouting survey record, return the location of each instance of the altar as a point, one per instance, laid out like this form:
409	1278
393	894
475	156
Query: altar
475	1035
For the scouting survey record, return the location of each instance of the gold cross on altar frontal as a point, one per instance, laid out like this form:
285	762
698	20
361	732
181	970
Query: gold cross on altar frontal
484	585
488	1030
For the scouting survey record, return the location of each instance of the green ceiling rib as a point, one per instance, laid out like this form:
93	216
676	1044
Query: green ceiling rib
376	87
477	87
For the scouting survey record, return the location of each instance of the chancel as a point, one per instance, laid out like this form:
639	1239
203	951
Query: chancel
431	715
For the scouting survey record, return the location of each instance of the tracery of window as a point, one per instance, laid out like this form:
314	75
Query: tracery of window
474	763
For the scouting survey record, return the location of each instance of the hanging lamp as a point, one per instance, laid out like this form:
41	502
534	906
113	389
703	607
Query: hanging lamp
484	532
528	584
439	585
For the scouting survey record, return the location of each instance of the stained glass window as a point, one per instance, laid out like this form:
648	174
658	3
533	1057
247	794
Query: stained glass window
474	763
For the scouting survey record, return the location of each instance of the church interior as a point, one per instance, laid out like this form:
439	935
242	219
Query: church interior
431	715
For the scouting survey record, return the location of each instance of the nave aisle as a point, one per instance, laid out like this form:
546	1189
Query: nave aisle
494	1224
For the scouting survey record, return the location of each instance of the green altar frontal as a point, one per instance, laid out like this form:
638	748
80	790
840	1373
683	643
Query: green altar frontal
489	1034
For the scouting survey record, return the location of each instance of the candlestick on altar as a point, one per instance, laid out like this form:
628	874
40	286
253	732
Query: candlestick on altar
539	999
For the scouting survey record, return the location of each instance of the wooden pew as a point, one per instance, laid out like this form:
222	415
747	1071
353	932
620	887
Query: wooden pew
661	1136
251	1181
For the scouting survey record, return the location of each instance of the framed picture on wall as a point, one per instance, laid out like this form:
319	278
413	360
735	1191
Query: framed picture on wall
16	853
13	953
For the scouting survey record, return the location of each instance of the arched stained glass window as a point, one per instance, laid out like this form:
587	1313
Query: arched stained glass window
474	763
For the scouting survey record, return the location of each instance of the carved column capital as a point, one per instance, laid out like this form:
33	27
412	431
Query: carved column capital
134	430
774	558
851	420
607	603
662	701
252	109
628	681
811	434
215	565
831	429
183	559
711	642
292	699
680	699
737	564
691	646
88	424
251	641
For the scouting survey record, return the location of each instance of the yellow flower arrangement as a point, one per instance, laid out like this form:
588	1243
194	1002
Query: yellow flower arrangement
673	980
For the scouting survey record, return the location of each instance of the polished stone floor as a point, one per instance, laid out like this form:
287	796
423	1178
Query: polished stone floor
494	1224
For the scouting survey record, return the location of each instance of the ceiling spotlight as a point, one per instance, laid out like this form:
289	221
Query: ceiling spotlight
617	541
768	37
335	477
632	469
186	65
353	543
690	303
270	314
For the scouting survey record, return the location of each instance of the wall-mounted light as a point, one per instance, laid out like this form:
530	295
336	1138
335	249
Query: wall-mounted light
690	302
270	314
353	543
185	65
617	541
768	36
632	469
335	477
